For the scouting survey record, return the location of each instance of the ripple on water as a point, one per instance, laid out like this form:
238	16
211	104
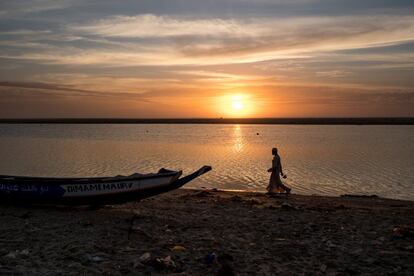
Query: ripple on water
327	160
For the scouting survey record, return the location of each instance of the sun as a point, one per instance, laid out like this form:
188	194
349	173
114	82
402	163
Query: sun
237	105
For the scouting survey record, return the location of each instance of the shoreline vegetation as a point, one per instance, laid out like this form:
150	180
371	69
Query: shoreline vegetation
267	121
212	232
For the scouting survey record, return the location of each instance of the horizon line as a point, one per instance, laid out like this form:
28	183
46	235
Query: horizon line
221	120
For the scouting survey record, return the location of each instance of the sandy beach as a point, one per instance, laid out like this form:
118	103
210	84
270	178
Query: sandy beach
208	232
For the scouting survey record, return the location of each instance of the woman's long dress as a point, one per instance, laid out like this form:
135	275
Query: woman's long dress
275	183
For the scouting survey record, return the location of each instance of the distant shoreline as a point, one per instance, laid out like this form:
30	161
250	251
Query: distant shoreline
266	121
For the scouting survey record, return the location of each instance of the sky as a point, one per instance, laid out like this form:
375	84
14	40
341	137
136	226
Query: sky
206	59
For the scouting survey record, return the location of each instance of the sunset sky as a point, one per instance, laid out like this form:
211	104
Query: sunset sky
188	58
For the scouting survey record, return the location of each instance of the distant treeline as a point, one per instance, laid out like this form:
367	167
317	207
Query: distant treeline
269	121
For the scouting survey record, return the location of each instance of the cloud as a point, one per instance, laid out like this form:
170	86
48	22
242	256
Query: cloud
36	88
165	40
149	25
302	43
222	41
19	7
26	32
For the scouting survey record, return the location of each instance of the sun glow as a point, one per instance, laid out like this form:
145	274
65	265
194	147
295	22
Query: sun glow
239	105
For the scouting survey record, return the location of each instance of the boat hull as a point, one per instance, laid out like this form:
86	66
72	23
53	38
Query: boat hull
90	191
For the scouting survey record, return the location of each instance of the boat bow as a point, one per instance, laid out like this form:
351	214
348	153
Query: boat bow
184	180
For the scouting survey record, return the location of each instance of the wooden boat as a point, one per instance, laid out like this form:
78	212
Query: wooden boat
91	191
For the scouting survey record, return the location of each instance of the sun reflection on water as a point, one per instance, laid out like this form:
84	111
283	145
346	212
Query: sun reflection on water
238	139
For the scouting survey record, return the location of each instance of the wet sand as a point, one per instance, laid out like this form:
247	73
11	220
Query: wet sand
192	232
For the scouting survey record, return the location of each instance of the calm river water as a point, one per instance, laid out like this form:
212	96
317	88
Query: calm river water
323	160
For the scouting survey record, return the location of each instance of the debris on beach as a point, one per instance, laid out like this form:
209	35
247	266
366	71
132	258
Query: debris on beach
178	248
210	258
94	258
145	257
158	263
165	263
403	232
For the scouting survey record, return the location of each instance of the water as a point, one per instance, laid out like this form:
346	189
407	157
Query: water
323	160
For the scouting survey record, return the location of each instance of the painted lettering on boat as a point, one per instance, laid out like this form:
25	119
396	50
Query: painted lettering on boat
99	187
24	188
9	187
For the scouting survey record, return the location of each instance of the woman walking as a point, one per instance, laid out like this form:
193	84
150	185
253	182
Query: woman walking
275	183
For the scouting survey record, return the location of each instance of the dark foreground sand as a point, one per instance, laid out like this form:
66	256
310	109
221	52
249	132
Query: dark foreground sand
250	234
